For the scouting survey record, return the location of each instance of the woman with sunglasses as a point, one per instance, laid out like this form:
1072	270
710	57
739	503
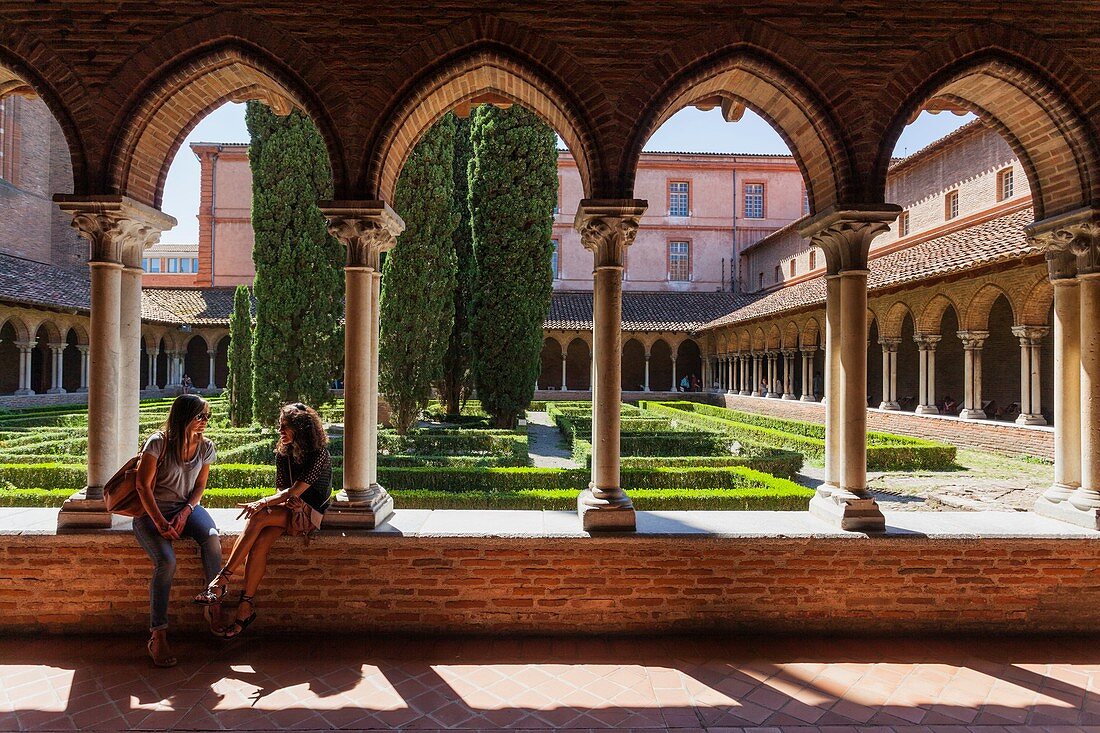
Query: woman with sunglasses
175	463
303	483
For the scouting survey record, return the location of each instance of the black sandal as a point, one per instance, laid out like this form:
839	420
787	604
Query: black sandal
214	594
238	625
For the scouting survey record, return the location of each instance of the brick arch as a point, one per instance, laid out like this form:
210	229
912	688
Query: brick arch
872	321
487	71
1021	87
790	336
932	315
976	315
1035	308
18	76
158	117
744	341
778	92
80	331
810	331
18	325
52	330
894	319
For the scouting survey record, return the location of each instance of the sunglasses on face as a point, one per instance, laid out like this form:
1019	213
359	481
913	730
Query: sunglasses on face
203	417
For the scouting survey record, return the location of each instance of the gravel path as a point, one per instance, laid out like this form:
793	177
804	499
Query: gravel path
546	446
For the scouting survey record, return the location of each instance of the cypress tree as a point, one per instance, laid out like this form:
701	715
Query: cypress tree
418	277
513	188
299	283
239	385
455	385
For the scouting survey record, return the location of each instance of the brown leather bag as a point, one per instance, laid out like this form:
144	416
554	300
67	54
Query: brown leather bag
301	514
120	492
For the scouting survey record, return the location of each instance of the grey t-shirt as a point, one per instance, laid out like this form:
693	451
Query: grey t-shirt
175	480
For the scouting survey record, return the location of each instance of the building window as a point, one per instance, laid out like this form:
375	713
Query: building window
154	264
778	273
903	224
760	282
679	198
185	265
805	202
555	258
951	205
557	201
173	264
813	259
792	268
679	261
1004	185
754	200
145	264
194	264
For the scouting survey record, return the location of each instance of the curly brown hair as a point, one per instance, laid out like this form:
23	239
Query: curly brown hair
309	431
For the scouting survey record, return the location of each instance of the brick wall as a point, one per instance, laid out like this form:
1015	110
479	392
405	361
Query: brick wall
378	583
1008	438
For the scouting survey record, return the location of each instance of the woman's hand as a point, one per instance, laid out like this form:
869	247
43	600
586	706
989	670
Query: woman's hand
251	508
180	520
167	529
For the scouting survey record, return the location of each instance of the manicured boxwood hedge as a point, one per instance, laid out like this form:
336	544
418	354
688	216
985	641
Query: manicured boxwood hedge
885	451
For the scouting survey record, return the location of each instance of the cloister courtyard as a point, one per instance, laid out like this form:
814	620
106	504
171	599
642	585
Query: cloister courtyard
874	504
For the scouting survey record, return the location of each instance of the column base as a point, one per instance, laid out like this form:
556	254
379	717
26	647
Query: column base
808	398
1025	419
1063	511
790	397
80	512
744	393
968	414
84	390
889	406
927	410
56	391
773	395
844	510
605	515
24	392
361	510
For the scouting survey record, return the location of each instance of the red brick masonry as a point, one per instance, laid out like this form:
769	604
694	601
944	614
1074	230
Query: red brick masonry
900	583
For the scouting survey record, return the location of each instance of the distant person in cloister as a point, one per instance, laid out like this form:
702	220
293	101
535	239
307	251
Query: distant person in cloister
950	406
685	384
175	463
303	483
819	387
186	383
696	385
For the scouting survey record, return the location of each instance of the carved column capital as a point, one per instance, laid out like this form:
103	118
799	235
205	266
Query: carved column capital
845	234
118	228
972	340
1030	335
889	344
927	341
365	228
608	227
1071	241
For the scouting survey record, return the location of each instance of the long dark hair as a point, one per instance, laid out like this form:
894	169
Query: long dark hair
185	408
309	431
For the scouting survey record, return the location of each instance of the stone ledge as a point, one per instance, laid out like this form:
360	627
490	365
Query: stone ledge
514	524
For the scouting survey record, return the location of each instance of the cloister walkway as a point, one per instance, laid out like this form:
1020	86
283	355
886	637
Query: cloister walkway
686	684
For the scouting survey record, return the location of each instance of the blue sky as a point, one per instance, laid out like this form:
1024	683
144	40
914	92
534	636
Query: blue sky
688	130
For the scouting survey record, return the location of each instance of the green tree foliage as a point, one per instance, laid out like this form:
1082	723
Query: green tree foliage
513	188
239	386
418	277
456	384
299	283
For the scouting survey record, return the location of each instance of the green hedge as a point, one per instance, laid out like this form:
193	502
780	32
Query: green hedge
744	499
885	451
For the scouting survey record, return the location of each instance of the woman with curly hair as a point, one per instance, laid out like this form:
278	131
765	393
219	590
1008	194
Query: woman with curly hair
303	483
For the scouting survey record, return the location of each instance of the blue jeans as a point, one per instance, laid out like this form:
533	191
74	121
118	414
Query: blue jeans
199	527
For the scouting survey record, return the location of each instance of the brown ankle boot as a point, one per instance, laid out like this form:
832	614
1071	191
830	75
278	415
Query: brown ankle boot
158	648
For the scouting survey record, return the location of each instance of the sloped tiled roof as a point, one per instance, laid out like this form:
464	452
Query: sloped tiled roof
644	311
196	306
996	240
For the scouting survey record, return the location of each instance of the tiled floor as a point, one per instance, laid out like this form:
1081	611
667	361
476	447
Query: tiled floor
683	684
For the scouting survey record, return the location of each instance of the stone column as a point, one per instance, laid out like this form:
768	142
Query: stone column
845	237
972	342
366	229
735	361
25	349
129	370
645	385
152	356
83	349
1071	242
57	352
926	344
675	384
788	374
117	228
607	228
745	386
808	373
772	375
1031	409
889	373
213	357
564	362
